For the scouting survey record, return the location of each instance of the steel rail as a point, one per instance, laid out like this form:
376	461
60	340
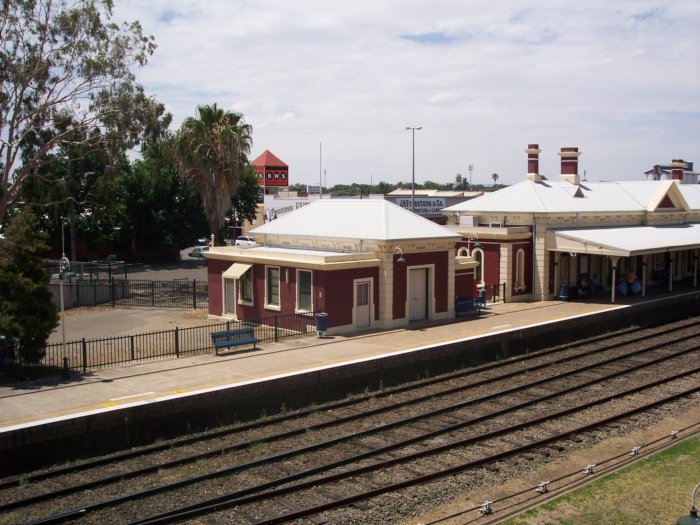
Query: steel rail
291	433
418	480
386	426
273	420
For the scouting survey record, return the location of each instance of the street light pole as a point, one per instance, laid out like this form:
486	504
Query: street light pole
64	265
413	167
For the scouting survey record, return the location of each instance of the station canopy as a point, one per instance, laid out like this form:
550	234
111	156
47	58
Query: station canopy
625	242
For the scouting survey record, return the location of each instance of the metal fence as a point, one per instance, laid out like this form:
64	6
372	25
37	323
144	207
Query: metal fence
133	293
91	354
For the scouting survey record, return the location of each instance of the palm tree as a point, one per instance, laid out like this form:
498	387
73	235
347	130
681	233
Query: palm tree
494	176
211	153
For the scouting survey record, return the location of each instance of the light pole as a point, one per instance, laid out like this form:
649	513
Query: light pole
413	168
64	265
471	167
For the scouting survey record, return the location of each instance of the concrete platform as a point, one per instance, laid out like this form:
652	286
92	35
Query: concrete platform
38	401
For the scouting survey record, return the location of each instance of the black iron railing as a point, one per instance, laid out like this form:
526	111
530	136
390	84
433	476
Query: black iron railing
91	354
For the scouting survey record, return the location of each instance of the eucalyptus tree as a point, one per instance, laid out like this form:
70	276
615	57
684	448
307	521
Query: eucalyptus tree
66	78
212	155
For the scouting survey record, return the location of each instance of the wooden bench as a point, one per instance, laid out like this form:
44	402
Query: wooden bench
468	305
237	337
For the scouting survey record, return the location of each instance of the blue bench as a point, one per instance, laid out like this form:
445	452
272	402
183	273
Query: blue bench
468	305
237	337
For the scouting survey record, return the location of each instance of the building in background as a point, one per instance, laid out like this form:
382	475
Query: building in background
542	238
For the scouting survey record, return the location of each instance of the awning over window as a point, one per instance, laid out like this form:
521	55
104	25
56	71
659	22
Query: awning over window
625	242
236	270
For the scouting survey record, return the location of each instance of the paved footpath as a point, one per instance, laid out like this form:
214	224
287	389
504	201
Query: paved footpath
25	404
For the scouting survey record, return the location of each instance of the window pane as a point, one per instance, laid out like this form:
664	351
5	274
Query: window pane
363	294
230	296
304	287
273	286
246	287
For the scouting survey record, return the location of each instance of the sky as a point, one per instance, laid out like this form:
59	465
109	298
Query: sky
330	86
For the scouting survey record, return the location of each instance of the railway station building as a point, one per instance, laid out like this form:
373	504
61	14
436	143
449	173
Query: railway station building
540	238
366	263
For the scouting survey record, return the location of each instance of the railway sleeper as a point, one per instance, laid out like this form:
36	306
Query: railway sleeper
318	520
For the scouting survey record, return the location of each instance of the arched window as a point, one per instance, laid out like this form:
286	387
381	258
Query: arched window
520	270
462	252
478	255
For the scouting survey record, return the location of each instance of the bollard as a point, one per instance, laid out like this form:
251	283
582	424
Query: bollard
65	368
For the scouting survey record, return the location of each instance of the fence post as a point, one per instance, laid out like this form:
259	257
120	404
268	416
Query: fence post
94	293
84	351
153	293
504	292
111	290
194	294
228	325
277	323
131	346
177	342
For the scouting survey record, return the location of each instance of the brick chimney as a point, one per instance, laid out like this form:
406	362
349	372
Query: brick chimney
533	162
677	167
569	165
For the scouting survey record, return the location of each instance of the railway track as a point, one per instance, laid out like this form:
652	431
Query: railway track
324	462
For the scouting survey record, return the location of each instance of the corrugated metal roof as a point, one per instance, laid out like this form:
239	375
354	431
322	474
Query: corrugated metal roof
626	242
561	197
374	219
267	158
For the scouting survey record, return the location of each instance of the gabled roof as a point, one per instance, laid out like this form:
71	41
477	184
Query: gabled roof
267	158
371	219
565	197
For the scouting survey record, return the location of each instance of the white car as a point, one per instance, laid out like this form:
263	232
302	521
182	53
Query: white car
244	241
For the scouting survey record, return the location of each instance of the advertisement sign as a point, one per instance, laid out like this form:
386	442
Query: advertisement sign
272	176
423	205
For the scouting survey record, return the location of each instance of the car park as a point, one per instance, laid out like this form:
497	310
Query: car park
198	251
242	240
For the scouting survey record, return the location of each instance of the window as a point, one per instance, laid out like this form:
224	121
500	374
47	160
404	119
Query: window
272	286
229	296
478	256
520	270
304	298
245	287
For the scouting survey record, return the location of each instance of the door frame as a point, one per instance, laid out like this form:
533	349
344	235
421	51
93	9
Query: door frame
355	282
430	290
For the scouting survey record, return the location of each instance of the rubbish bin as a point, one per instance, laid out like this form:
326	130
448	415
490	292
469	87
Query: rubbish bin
481	296
321	324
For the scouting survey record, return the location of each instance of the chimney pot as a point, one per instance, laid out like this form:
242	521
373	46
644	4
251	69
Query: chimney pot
569	165
533	162
677	168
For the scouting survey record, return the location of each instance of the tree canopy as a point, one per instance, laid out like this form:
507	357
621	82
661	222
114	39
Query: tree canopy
212	155
27	311
66	79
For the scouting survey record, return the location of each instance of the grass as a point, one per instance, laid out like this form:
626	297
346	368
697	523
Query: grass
654	491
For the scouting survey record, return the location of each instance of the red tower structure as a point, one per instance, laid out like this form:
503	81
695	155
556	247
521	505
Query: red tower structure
270	170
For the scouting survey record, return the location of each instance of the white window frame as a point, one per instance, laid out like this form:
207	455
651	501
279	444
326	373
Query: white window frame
311	291
268	304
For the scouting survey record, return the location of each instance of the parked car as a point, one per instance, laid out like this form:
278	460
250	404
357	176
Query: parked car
198	251
244	241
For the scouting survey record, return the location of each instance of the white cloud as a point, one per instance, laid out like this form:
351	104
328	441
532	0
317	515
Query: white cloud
619	80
